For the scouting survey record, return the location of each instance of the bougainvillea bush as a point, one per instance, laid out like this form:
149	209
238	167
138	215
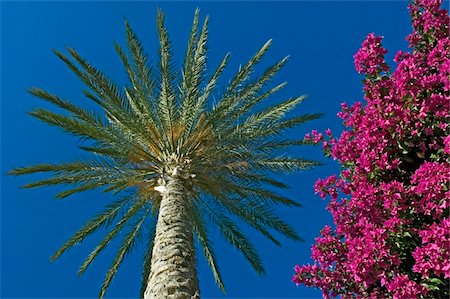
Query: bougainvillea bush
390	203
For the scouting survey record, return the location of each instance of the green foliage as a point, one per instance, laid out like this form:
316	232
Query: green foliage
199	226
147	259
126	246
233	150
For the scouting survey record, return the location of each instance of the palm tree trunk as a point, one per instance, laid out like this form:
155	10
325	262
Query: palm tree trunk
173	270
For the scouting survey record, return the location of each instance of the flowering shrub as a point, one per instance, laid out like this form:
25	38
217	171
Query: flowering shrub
390	204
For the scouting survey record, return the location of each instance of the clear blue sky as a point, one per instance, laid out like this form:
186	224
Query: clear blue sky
320	37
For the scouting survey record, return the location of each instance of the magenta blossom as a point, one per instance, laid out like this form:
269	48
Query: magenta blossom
390	203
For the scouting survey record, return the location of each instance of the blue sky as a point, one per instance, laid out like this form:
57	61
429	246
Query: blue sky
320	37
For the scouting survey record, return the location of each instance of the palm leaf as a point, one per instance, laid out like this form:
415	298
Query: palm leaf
229	101
285	164
131	212
234	236
199	226
248	96
167	101
126	246
104	218
259	216
147	259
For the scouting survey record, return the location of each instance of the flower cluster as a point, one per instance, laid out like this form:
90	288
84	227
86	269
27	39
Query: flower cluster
432	256
390	204
370	58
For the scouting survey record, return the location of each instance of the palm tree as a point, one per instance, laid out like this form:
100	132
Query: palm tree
177	162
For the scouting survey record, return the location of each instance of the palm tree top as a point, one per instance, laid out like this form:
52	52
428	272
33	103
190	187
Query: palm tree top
165	124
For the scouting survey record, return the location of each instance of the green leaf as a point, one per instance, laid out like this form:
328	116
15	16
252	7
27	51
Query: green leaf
407	234
104	218
234	236
146	269
126	246
199	226
132	211
435	280
167	105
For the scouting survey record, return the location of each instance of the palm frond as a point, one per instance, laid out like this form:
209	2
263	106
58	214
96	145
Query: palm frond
93	130
115	105
109	96
85	175
259	216
66	167
193	39
263	132
193	67
167	100
198	68
258	179
193	99
143	78
233	206
277	144
142	69
199	226
228	100
249	95
131	212
244	72
112	99
140	97
284	164
195	121
70	124
103	150
126	246
269	115
223	185
147	259
206	92
104	218
234	236
278	127
82	114
85	187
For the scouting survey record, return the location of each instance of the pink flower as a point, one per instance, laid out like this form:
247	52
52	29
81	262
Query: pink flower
446	140
370	58
402	287
434	255
390	202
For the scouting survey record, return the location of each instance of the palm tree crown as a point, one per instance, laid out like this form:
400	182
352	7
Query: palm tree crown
165	124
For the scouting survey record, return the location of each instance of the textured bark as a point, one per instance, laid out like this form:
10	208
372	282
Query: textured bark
173	271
